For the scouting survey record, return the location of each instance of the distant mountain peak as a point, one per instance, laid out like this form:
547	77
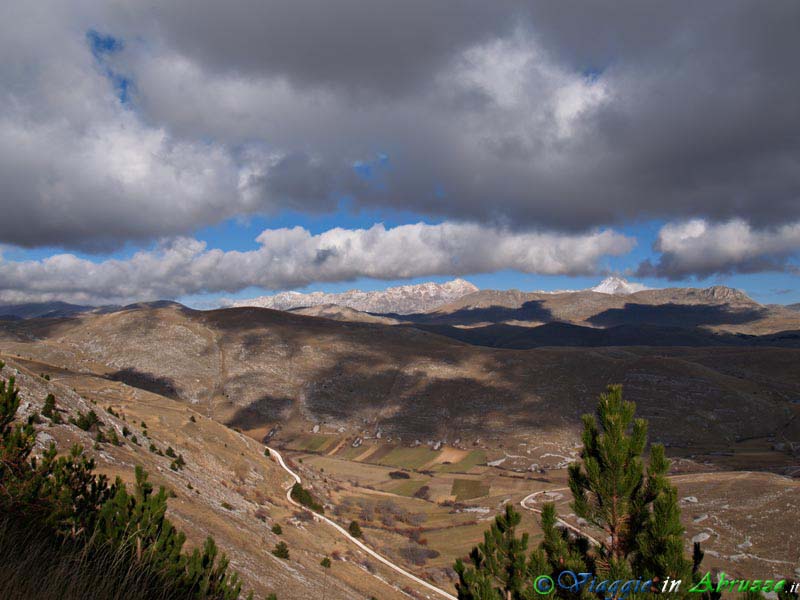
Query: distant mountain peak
403	299
618	285
722	293
460	285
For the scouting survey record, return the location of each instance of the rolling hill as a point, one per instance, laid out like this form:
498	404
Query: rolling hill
351	401
257	369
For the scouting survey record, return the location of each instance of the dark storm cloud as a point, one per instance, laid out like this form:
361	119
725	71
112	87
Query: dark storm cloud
700	117
381	45
306	184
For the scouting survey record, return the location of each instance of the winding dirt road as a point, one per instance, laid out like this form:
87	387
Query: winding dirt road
523	504
345	533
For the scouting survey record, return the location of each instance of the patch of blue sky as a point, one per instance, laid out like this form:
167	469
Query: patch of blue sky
126	251
102	43
372	171
767	288
102	46
208	301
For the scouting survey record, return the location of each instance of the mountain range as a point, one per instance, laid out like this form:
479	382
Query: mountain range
408	299
615	312
402	299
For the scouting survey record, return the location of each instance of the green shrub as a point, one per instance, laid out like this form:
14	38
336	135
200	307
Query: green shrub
86	421
155	450
304	497
281	550
277	529
50	410
355	529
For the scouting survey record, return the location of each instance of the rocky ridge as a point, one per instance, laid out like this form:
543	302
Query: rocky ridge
402	299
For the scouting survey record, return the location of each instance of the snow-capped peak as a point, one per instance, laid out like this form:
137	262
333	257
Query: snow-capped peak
618	285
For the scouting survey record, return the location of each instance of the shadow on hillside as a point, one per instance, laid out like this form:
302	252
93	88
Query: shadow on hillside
675	315
36	329
529	311
267	409
163	386
567	335
413	403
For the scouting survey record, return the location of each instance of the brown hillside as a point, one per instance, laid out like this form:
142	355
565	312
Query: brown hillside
258	368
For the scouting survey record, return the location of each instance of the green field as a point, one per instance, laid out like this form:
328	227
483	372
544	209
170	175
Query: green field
407	488
454	542
410	458
473	459
312	442
350	453
466	489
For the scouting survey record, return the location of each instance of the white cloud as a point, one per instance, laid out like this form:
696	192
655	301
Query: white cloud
295	257
700	248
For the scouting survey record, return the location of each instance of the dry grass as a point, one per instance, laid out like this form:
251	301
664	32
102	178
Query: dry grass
468	489
467	463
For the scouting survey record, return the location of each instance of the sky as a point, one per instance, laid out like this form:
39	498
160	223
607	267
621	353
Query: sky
202	151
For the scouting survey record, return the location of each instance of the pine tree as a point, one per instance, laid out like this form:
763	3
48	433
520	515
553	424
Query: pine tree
560	550
637	511
50	410
659	546
501	568
636	508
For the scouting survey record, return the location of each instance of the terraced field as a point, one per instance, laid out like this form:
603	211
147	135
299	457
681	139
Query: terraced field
468	489
446	459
